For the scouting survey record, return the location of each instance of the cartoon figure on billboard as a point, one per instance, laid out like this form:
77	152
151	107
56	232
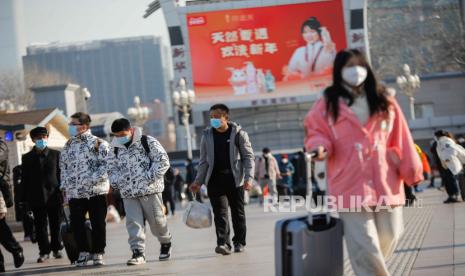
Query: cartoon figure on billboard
238	80
270	82
316	57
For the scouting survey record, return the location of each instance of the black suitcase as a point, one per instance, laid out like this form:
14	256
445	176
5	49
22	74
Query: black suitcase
69	242
309	245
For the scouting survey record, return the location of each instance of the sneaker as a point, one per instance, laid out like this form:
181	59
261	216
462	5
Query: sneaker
98	259
138	258
43	258
165	252
18	259
223	249
57	254
238	248
83	259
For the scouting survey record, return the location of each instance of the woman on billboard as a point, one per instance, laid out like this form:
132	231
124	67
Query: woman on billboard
316	57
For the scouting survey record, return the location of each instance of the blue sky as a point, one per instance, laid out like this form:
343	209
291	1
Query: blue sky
79	20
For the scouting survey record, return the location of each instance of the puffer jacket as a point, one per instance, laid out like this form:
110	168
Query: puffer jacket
452	155
83	167
3	208
134	172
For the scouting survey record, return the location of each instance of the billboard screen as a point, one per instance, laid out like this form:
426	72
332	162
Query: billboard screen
276	51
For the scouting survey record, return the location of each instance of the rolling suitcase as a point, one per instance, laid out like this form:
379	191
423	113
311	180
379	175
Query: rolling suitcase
69	242
309	245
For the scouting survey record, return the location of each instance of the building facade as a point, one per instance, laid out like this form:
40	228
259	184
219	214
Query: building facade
114	71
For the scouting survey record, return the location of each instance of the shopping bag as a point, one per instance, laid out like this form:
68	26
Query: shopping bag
197	215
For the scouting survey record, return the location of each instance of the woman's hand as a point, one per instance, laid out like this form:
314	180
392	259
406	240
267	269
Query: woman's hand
321	153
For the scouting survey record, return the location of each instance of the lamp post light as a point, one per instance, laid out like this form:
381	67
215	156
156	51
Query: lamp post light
138	114
183	100
409	84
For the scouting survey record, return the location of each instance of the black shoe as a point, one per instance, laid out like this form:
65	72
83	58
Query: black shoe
451	200
223	250
165	252
18	258
238	248
43	258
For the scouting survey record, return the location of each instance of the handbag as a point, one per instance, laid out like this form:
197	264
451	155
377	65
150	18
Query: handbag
197	215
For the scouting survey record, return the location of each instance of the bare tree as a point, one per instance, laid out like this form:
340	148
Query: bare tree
427	35
16	88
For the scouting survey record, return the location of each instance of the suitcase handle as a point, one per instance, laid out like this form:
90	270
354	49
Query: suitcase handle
308	157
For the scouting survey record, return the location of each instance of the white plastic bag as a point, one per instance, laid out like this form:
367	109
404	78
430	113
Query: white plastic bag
197	215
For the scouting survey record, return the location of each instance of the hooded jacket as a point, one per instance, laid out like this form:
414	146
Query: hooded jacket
83	167
242	163
369	161
134	172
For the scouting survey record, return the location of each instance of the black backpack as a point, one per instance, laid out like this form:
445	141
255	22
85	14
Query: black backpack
145	145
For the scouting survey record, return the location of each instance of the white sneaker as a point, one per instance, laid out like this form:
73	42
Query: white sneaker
138	258
83	259
98	259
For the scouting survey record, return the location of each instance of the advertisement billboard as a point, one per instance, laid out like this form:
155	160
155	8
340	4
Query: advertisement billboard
276	51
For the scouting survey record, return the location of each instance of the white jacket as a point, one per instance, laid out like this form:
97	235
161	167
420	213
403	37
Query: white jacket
452	155
133	172
3	208
83	168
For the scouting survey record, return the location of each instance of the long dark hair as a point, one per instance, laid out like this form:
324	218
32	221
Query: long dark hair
375	93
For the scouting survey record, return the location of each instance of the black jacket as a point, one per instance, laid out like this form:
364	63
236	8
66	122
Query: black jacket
41	181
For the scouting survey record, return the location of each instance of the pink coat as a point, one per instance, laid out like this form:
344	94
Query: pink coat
370	161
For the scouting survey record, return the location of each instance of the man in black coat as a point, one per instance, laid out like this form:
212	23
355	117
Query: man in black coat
40	176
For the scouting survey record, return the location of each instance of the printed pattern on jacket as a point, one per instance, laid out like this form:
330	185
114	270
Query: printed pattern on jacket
83	168
133	172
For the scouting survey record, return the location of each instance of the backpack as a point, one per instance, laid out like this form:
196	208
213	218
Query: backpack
145	145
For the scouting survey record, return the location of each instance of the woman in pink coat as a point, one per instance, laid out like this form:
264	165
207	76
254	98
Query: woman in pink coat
360	130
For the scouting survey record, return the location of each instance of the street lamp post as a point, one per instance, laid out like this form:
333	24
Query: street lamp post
183	100
409	84
138	114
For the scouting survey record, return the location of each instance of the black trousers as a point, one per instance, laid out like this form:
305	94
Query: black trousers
50	215
8	241
97	208
169	197
450	183
223	193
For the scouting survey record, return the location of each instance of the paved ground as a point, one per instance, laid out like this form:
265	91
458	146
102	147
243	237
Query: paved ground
433	244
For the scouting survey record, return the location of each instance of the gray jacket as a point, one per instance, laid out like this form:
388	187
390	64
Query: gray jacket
243	170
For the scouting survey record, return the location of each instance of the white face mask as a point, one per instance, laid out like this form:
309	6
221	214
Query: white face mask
354	75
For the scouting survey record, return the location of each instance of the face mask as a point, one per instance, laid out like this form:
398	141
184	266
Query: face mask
215	123
354	75
268	155
41	144
285	161
123	140
73	130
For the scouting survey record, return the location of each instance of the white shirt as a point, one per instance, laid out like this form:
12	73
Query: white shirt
304	57
360	106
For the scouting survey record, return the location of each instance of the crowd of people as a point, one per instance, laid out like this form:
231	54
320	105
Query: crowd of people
357	127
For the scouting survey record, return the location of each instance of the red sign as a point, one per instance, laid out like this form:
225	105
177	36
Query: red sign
265	51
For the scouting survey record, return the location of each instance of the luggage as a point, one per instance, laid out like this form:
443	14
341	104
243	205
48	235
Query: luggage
309	245
69	242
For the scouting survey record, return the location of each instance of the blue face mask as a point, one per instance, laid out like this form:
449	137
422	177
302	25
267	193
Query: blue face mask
41	144
215	123
73	130
123	140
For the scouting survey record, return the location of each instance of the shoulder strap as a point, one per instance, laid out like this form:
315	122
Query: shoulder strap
145	144
316	58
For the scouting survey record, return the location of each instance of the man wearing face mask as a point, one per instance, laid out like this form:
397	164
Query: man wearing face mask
226	166
41	192
84	180
137	165
287	171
